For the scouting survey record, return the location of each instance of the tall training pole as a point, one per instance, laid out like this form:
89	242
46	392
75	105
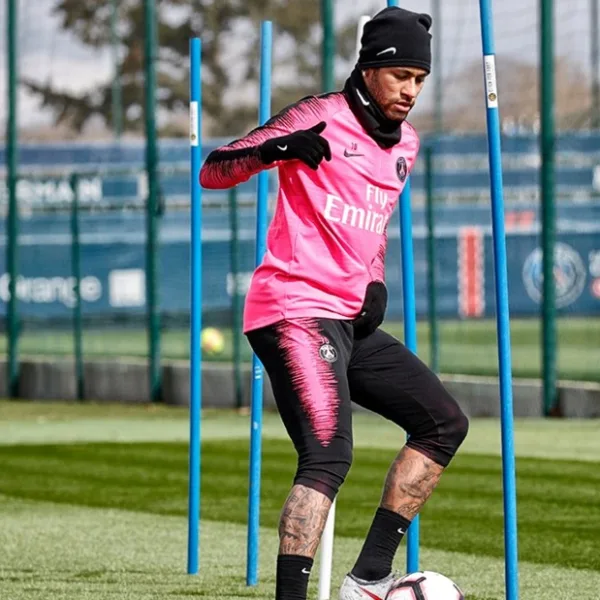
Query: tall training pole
195	305
502	306
256	411
410	328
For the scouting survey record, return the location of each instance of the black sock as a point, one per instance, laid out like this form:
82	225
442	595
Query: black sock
377	554
292	577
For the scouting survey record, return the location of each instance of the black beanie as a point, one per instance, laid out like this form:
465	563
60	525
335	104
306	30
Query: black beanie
396	37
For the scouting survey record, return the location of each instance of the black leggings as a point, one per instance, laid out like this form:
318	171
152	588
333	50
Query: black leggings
317	369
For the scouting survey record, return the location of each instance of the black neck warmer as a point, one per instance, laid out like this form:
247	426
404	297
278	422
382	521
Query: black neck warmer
384	131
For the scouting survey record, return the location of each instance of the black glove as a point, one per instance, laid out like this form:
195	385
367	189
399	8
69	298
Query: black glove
305	145
373	309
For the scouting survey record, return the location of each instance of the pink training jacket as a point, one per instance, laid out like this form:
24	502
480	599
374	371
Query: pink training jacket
328	237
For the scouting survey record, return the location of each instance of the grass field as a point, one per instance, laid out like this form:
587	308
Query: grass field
93	504
466	347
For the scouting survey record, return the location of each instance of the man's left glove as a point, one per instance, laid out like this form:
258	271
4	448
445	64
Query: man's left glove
373	310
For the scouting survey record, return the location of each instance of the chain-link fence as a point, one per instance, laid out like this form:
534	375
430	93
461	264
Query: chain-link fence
80	83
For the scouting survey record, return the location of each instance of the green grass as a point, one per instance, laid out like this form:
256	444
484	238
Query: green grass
558	500
25	422
107	519
74	553
465	347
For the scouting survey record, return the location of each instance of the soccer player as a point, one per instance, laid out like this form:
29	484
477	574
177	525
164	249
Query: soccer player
315	303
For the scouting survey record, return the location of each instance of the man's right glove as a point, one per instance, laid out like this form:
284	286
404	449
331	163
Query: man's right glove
306	145
373	310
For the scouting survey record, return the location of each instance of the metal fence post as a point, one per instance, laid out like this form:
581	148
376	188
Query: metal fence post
76	274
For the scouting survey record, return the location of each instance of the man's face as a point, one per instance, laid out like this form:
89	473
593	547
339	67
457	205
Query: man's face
395	89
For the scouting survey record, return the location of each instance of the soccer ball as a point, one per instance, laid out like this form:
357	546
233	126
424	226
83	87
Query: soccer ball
424	585
212	341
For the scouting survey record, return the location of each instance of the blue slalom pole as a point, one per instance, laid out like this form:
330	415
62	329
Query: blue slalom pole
196	306
264	113
502	306
410	337
410	328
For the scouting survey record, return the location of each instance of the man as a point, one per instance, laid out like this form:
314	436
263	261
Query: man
316	302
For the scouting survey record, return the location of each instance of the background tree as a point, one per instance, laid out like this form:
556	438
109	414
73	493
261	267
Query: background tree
519	86
230	32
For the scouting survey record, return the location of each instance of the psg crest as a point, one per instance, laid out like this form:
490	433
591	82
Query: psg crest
401	169
328	353
569	274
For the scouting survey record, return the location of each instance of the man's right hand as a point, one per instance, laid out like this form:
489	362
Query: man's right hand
306	145
373	310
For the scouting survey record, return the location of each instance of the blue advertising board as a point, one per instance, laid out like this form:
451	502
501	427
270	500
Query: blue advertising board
113	275
113	241
114	173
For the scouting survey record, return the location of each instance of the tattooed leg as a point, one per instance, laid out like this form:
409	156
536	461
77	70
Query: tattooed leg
302	521
410	481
